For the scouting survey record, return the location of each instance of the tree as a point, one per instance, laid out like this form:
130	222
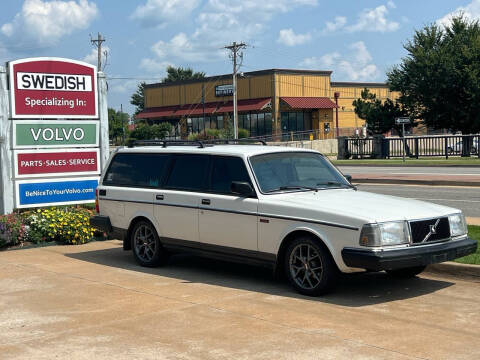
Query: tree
138	98
379	116
182	74
117	125
151	132
439	79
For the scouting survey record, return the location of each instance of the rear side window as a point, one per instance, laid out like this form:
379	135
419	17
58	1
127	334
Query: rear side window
225	170
136	170
188	172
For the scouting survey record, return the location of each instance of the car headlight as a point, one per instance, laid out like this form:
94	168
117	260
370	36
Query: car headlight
458	225
385	234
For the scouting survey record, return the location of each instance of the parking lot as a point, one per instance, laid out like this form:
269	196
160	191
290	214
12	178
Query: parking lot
93	301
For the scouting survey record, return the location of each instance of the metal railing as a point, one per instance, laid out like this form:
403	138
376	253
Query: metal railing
413	146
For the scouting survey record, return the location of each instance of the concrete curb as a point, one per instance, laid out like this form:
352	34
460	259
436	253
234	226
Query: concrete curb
417	182
407	165
455	269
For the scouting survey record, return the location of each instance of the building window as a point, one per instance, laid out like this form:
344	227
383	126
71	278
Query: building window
296	121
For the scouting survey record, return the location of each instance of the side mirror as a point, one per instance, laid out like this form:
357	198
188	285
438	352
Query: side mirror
241	188
349	178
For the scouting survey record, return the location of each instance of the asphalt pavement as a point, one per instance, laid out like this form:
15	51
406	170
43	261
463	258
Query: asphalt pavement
460	176
461	197
391	170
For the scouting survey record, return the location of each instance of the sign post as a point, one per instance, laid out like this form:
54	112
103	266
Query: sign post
53	132
403	121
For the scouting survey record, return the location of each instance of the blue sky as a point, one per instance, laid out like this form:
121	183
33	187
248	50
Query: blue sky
358	40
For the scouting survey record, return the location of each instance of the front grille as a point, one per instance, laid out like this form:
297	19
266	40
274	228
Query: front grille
424	231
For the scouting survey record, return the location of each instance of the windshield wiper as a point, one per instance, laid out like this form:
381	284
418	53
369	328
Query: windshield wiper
337	183
292	187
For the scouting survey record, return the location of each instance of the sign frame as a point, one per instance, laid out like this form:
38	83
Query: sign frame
53	122
39	181
56	174
11	73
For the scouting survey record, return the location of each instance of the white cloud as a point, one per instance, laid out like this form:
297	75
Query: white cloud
42	24
219	23
289	38
374	20
161	12
92	57
470	12
123	86
154	66
355	66
338	23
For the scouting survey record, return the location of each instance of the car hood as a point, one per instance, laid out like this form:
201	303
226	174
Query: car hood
359	205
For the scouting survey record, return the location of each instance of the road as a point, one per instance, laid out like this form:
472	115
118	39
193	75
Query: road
465	198
93	302
447	170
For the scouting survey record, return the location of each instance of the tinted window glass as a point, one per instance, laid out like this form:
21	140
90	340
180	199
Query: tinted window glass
137	170
295	169
225	170
188	172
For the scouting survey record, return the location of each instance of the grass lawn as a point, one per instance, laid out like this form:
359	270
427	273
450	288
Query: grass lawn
474	160
474	233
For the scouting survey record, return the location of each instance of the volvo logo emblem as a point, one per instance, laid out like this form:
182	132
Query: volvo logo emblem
433	230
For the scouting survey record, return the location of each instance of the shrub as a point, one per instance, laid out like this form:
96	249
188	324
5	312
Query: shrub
243	133
66	225
12	230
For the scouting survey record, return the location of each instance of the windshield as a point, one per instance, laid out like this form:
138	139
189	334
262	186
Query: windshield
295	171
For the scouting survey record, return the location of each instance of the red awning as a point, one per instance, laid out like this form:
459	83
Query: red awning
245	105
196	109
157	112
309	102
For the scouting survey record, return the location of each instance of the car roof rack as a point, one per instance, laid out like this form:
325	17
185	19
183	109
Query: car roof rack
165	143
235	141
198	143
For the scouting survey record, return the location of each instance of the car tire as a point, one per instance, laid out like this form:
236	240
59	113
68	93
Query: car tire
147	248
309	267
406	273
450	150
473	150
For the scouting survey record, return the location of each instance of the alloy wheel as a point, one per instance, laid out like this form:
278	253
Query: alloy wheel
306	266
144	242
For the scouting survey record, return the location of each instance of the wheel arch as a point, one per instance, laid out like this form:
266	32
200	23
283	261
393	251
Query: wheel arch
127	244
294	234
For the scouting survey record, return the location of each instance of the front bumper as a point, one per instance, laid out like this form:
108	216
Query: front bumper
420	255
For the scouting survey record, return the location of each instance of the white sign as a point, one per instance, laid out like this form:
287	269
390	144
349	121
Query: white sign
402	120
59	82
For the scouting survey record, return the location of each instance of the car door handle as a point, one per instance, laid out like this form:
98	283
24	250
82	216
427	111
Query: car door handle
205	201
159	197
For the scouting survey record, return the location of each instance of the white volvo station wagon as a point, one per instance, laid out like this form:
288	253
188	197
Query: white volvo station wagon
287	208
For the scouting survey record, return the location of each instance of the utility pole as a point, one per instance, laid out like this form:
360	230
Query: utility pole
235	51
98	44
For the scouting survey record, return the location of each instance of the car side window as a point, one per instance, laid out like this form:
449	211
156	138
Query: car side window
226	169
136	170
188	173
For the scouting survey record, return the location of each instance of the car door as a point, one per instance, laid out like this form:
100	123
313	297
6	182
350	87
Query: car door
227	219
176	202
